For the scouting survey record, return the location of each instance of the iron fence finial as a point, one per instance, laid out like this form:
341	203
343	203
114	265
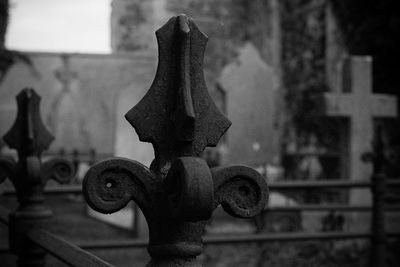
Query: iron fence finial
28	135
178	193
29	175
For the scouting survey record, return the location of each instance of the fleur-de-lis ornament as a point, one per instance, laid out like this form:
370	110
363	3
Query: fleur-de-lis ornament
29	175
179	192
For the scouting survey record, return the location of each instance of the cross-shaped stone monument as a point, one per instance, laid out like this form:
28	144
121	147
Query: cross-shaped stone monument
178	193
357	102
65	74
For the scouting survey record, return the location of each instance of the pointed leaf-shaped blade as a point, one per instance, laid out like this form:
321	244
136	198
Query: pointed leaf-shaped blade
177	112
28	135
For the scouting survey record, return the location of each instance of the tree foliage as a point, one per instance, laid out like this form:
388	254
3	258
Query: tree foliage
303	62
372	28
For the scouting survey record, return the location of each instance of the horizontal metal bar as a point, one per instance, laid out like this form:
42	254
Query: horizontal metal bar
393	182
287	237
328	207
4	213
116	244
292	185
317	154
53	190
64	250
230	239
317	184
295	185
283	185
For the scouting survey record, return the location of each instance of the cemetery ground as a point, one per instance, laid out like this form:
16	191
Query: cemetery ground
71	223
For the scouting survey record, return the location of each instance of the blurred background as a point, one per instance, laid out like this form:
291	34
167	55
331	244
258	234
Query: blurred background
305	84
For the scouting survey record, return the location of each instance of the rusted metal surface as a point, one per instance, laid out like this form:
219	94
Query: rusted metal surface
65	251
286	185
235	239
378	239
29	175
4	214
232	239
178	193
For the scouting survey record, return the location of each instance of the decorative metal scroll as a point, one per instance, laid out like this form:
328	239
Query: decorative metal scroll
29	175
179	192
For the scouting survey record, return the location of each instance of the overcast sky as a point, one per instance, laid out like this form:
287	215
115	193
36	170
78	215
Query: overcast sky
59	25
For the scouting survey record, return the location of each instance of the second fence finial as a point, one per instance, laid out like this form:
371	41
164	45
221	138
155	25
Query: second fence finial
29	175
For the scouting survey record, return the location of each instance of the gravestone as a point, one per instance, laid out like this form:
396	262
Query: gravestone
127	143
80	94
68	105
357	103
84	97
251	104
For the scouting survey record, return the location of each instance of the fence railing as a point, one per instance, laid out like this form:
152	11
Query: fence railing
63	250
243	238
224	239
27	237
179	192
286	185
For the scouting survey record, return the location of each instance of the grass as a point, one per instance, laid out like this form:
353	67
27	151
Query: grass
71	223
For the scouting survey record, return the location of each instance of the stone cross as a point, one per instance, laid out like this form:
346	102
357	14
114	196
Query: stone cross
29	175
65	74
178	193
357	102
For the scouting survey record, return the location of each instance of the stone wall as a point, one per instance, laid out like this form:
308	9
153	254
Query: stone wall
81	103
228	23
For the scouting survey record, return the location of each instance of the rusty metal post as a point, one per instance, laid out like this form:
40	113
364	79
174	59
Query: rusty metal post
178	193
378	240
29	175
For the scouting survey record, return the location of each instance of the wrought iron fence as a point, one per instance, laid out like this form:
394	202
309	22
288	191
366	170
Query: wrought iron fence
265	237
179	190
